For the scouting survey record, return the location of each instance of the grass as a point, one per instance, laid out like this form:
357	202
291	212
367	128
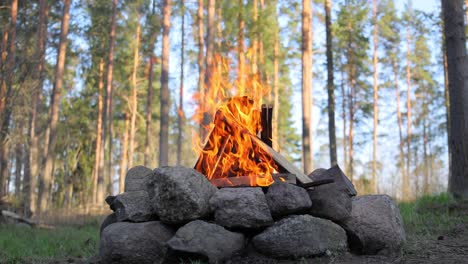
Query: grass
26	245
429	214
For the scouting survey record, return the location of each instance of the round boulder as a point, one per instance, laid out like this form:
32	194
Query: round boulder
134	243
301	236
181	194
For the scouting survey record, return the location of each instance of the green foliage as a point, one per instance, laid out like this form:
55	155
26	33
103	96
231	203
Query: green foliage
26	245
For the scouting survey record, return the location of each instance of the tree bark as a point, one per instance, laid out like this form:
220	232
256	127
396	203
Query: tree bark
124	158
149	100
6	112
276	105
47	170
255	46
457	62
18	169
306	86
134	103
180	112
241	48
209	62
330	85
400	122
31	158
99	143
407	183
165	97
376	98
200	61
107	115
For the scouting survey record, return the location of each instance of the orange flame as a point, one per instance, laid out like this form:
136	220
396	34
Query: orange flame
229	150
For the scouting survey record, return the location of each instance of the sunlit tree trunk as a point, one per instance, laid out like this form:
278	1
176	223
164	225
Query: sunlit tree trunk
255	45
457	61
180	114
400	121
107	115
200	60
48	165
407	184
124	158
376	98
165	96
99	143
306	86
134	99
446	86
330	85
209	62
7	85
149	99
31	162
276	105
241	48
344	116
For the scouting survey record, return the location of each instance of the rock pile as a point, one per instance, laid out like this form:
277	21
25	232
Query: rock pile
174	213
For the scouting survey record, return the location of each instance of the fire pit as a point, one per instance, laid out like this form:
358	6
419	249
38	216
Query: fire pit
274	212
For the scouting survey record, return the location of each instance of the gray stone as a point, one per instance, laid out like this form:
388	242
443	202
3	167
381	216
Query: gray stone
134	243
110	201
109	220
133	206
181	194
334	200
375	226
210	240
136	179
284	199
301	236
241	208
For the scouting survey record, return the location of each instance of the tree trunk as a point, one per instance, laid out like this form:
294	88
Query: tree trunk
165	96
241	49
400	124
134	95
330	85
180	112
209	62
376	98
124	158
31	162
457	61
18	168
47	170
425	189
344	116
200	61
149	100
407	184
255	46
276	105
446	87
7	110
306	87
107	115
99	143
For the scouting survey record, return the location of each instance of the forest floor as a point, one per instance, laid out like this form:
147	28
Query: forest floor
436	230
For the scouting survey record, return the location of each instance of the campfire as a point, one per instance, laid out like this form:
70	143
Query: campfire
233	154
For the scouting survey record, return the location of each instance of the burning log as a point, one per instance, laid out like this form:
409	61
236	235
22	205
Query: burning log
267	125
246	181
226	157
